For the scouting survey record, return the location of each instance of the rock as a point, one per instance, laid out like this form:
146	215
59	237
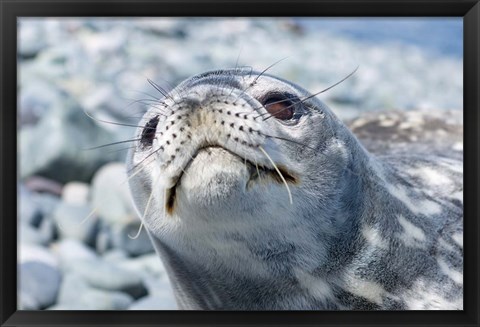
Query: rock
69	251
42	184
48	229
153	274
30	235
147	264
56	147
29	210
111	195
114	255
39	285
76	293
35	210
35	227
109	276
47	203
104	238
159	286
76	193
30	39
155	302
36	98
163	28
35	253
413	131
66	306
76	221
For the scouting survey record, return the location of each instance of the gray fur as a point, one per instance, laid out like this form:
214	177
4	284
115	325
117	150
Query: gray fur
364	231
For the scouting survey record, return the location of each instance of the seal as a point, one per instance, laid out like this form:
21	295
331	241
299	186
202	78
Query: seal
257	197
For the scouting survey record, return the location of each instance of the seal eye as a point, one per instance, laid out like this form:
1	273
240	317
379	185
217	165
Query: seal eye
148	133
279	108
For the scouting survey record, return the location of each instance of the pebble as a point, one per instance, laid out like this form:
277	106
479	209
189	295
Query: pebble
104	240
29	210
68	251
42	184
28	234
148	264
30	39
109	276
35	253
76	193
38	285
56	147
48	229
47	203
76	293
111	195
77	222
114	255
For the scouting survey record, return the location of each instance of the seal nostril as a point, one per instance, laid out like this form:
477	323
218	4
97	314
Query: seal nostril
148	133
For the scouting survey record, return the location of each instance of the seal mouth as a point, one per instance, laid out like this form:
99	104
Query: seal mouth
258	174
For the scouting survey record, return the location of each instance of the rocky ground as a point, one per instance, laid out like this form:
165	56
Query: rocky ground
75	214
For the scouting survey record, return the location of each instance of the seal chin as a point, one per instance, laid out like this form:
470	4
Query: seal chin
215	170
216	175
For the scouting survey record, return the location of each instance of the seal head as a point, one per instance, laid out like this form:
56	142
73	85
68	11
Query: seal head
257	197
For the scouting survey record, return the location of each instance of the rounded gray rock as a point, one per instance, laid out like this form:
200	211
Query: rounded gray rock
31	235
77	294
69	251
111	195
56	147
109	276
29	210
39	284
76	221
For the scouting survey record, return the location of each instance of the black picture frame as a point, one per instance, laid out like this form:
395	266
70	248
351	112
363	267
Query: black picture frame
10	10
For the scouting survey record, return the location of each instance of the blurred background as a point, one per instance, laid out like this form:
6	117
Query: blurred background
74	211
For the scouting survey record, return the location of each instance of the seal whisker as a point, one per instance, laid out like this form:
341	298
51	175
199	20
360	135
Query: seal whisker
142	219
84	220
238	58
279	173
161	90
134	173
256	78
137	234
142	161
288	140
110	122
110	144
144	101
150	95
301	144
256	166
268	68
120	150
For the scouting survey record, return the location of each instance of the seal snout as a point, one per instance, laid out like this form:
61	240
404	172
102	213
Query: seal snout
210	119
